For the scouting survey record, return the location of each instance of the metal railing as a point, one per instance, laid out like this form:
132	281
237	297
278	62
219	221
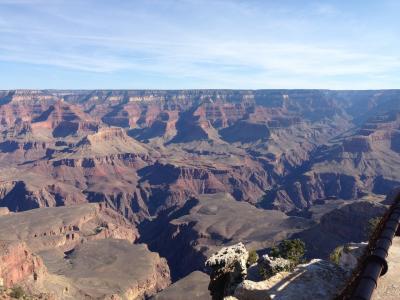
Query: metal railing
374	263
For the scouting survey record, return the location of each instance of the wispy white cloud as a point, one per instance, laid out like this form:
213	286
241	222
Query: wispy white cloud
222	42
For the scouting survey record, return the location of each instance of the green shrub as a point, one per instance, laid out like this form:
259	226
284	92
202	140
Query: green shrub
293	250
253	257
17	292
336	254
373	225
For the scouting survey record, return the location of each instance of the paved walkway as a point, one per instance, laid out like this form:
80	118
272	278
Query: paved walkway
389	284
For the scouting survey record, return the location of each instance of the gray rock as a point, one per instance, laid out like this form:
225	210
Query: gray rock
250	290
273	265
228	269
350	254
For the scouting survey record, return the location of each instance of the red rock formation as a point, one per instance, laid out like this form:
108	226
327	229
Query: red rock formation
18	264
56	147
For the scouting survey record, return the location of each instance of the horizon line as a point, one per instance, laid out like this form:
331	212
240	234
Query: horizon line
194	89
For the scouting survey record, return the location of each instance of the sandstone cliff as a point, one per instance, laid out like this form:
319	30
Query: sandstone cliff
82	251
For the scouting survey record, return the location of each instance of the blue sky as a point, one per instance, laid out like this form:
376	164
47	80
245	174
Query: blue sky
174	44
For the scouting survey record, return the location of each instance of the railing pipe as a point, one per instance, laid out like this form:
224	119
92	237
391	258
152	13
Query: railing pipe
376	264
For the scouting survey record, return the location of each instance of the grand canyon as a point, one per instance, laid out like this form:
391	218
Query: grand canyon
124	194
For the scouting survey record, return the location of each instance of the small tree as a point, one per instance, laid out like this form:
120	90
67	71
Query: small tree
336	254
253	257
17	292
373	225
293	250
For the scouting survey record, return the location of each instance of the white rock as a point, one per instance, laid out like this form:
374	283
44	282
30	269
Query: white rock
274	265
228	270
350	255
228	256
250	290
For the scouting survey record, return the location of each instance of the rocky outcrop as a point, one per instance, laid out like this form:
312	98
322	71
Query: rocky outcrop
350	255
228	269
274	265
109	141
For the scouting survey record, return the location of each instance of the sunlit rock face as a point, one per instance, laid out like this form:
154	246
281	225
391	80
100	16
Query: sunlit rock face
152	150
